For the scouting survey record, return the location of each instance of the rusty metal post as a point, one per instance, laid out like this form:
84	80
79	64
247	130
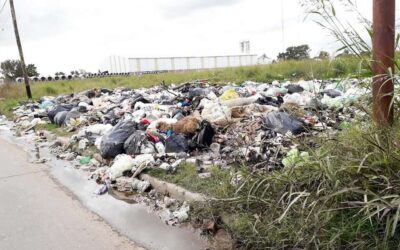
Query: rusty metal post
383	42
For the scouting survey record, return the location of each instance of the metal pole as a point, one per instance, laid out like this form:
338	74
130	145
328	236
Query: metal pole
283	25
21	54
383	42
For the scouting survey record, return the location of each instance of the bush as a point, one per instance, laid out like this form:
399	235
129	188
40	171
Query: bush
347	196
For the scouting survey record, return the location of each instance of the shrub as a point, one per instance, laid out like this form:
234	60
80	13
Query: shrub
347	196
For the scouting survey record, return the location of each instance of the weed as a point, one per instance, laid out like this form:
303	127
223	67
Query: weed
339	68
50	90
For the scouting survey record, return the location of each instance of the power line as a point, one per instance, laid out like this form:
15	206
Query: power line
2	7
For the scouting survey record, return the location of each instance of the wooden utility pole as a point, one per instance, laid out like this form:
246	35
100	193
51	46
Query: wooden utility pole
383	43
21	53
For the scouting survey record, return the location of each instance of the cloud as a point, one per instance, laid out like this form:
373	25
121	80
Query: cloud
66	35
184	7
34	22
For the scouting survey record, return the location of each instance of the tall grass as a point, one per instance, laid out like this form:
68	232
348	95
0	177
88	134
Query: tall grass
344	31
346	196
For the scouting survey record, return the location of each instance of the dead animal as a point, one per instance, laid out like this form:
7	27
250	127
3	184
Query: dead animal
164	127
293	109
238	112
188	126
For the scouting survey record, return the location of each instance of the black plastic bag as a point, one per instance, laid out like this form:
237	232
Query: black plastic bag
135	142
205	137
294	88
52	113
266	100
139	98
106	91
194	92
60	118
112	143
90	93
73	114
333	93
282	122
111	117
176	143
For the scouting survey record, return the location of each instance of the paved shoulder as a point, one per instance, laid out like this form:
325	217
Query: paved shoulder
36	213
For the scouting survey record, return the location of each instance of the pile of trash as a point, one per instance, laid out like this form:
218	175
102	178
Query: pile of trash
119	133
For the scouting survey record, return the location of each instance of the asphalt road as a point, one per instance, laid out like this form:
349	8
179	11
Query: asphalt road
38	213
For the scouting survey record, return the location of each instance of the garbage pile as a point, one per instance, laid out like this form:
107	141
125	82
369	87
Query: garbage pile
119	133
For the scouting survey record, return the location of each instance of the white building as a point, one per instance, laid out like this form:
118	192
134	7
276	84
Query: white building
119	64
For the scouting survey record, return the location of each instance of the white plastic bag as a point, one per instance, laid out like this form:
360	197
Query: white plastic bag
121	164
215	112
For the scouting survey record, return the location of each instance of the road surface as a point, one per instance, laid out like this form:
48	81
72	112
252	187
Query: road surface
38	213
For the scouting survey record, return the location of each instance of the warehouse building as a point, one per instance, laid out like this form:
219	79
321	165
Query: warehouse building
118	64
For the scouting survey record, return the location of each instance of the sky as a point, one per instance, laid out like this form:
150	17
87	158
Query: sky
65	35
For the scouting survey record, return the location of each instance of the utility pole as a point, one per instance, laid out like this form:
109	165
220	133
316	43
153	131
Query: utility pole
283	24
21	54
383	43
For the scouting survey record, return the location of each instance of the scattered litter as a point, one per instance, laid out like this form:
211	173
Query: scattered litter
140	186
85	160
282	123
182	214
295	158
116	135
83	144
121	164
124	184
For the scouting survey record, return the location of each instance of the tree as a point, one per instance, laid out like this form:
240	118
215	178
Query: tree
345	53
78	72
323	55
295	53
11	69
60	73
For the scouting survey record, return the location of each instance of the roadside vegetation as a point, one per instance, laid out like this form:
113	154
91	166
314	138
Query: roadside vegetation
346	196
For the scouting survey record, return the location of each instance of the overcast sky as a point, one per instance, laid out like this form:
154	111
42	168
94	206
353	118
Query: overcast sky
62	35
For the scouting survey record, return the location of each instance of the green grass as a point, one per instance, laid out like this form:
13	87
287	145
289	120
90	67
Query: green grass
186	176
287	70
55	129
